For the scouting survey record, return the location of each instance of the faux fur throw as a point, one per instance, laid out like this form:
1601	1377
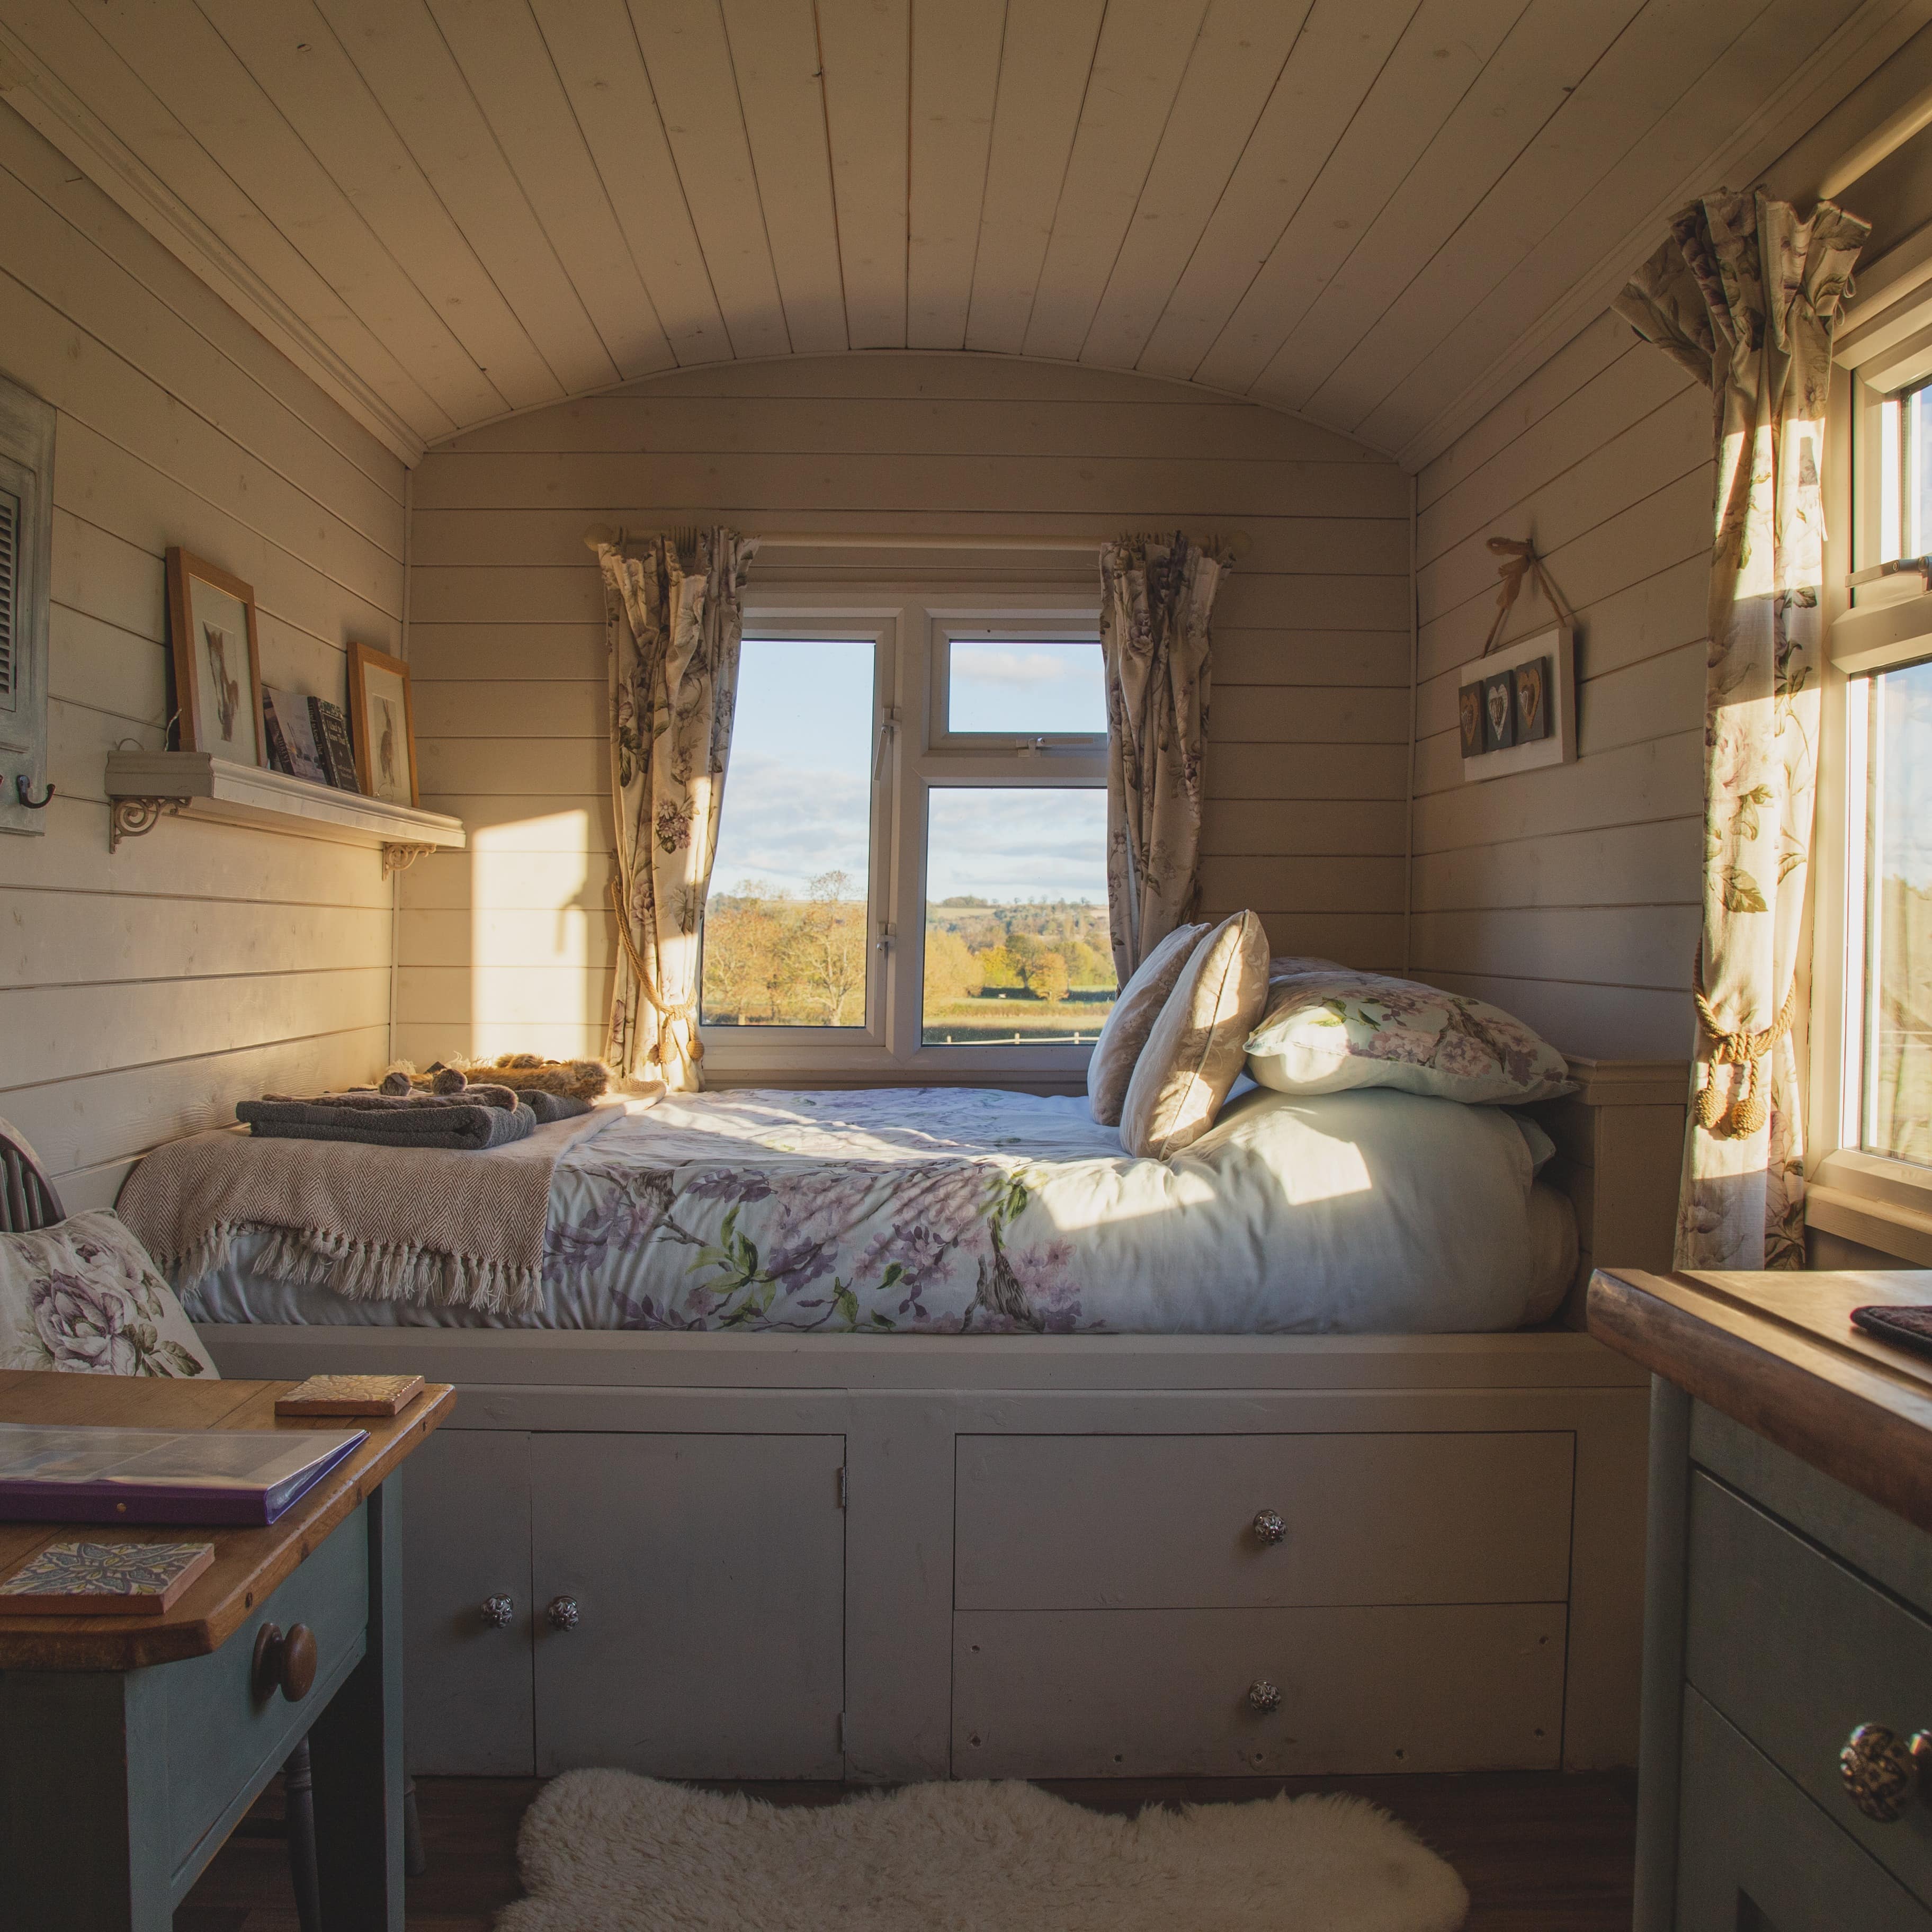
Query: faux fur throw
463	1230
575	1079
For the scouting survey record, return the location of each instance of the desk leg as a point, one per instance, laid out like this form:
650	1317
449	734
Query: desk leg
83	1802
356	1747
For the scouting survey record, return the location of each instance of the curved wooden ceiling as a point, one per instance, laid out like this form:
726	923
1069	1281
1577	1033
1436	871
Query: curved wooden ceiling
1379	213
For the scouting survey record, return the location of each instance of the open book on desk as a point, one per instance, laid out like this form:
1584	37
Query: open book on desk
92	1475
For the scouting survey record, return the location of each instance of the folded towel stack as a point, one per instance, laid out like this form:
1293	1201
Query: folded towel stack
476	1118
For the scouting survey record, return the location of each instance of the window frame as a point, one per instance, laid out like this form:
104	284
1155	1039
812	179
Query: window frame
1881	1203
912	626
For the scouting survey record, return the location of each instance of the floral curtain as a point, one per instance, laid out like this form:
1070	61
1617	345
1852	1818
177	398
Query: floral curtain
673	626
1746	296
1157	594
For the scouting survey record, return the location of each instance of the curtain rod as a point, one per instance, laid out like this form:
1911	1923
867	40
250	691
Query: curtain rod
1238	544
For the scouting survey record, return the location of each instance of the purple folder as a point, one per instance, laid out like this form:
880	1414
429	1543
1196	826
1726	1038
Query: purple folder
80	1473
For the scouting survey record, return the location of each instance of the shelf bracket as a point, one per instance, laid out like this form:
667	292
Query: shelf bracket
129	817
397	858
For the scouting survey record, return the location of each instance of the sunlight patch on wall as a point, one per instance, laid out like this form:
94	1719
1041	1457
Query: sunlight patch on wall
531	971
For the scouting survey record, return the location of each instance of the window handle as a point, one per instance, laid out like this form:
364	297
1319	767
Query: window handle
1919	566
889	725
885	935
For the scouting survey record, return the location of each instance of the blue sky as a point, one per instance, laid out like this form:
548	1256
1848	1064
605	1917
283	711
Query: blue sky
797	792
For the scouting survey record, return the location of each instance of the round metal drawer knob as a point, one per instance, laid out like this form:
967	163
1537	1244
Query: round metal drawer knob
1264	1695
284	1664
563	1613
1269	1526
498	1612
1881	1770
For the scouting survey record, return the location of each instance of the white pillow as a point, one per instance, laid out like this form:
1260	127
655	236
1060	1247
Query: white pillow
1324	1033
82	1296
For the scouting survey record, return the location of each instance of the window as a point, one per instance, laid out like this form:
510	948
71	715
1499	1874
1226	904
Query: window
1870	1122
911	867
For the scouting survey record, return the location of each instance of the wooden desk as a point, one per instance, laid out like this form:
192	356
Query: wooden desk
1788	1601
130	1746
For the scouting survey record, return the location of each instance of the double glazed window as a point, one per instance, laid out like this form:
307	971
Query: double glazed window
1888	804
911	864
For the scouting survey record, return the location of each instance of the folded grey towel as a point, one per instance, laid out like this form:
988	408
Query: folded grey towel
548	1107
376	1102
460	1128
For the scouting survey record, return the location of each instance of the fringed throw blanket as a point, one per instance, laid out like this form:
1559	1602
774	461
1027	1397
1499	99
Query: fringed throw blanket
462	1229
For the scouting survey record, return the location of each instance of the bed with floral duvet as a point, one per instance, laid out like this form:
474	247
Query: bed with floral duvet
970	1211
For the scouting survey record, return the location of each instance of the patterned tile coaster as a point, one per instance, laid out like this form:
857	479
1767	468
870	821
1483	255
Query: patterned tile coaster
350	1395
138	1579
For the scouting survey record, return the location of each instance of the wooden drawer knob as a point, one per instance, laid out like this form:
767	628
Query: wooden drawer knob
284	1664
1881	1771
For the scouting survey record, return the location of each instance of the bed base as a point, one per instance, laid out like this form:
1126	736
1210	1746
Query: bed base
882	1558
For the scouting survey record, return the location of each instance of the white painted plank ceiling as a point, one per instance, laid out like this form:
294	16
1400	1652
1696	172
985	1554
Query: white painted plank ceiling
1380	213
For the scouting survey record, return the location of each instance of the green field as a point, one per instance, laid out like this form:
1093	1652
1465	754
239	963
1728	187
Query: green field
1013	1021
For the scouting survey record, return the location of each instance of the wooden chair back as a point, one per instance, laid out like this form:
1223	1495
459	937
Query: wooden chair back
27	1201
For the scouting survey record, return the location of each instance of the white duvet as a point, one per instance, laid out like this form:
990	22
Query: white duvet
953	1210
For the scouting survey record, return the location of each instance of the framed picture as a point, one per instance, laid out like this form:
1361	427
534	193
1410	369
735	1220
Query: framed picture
1525	699
217	663
383	724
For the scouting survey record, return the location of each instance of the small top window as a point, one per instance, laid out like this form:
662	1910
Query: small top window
1020	687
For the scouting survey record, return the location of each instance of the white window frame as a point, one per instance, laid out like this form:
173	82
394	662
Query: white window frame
912	627
1883	1204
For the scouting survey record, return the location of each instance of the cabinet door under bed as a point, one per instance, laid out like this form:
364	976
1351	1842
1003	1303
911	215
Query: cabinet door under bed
676	1604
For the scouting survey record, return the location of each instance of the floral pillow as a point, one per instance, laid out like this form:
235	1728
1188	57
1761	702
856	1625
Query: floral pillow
82	1296
1322	1033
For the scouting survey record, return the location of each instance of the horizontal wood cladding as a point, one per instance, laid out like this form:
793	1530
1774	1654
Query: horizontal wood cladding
1570	894
143	992
1307	775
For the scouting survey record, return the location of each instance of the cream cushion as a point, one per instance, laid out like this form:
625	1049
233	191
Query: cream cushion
1194	1054
1118	1049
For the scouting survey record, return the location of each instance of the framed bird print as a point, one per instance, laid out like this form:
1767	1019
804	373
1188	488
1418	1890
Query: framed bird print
1517	708
218	661
383	724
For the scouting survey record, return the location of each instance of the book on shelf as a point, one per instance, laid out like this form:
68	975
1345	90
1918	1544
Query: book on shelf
291	735
332	743
81	1473
93	1579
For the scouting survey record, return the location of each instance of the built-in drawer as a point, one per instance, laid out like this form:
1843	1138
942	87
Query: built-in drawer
1169	1522
1797	1651
223	1739
1756	1854
1145	1693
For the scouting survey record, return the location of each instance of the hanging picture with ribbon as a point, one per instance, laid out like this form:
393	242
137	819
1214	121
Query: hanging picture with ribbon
1517	708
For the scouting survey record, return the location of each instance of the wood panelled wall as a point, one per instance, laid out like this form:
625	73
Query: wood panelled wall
142	994
507	944
1569	895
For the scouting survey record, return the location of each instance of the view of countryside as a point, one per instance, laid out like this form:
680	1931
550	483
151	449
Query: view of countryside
1898	1057
1016	947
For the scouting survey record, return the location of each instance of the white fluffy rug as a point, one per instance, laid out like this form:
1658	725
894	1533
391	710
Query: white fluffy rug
603	1851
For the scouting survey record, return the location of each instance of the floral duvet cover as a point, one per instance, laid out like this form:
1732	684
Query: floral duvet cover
972	1211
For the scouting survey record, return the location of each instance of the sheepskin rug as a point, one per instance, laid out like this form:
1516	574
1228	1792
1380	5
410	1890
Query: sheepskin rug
604	1851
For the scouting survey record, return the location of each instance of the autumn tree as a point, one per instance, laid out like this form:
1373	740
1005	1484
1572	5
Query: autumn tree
951	970
1049	976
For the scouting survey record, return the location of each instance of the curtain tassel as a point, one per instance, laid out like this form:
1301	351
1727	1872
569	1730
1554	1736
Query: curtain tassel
1735	1046
685	1014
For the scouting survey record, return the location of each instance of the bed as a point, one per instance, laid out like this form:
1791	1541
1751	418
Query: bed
960	1210
1296	1493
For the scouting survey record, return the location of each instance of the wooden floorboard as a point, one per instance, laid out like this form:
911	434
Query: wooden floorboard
1539	1852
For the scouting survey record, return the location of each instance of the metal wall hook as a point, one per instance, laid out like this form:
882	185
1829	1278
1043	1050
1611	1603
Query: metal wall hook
23	791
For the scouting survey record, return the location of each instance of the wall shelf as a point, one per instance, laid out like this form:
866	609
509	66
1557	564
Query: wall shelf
143	786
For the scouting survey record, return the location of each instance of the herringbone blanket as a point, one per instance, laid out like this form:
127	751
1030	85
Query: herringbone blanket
465	1229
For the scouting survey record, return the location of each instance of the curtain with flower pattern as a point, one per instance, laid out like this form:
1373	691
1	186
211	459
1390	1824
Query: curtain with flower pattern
673	626
1746	296
1156	595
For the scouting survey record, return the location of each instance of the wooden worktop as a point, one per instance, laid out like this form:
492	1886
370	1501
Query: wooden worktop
1777	1352
249	1563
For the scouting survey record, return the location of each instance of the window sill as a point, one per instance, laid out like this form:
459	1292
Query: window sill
1873	1203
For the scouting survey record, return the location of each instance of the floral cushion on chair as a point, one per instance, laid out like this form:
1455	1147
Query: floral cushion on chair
1322	1033
83	1296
